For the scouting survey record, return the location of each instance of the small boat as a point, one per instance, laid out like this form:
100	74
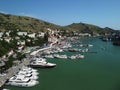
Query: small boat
90	45
49	56
76	56
72	57
73	49
63	56
60	56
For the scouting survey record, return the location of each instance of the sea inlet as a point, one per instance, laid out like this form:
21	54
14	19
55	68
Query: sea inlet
97	71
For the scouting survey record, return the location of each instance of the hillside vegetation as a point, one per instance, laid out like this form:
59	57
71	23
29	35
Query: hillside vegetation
13	22
88	28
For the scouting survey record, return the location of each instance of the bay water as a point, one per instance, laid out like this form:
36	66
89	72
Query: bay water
97	71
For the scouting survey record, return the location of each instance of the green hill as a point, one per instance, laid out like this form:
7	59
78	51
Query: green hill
89	28
13	22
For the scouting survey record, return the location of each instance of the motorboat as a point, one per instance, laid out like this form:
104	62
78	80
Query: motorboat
22	81
24	68
60	56
29	75
49	56
76	56
44	64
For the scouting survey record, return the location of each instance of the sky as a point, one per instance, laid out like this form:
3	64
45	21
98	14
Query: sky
103	13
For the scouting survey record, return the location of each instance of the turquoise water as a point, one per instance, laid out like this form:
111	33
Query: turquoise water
97	71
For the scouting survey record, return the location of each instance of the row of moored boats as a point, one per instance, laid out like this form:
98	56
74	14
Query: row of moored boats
77	56
26	77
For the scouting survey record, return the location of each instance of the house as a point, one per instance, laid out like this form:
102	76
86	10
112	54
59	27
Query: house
1	34
32	35
52	39
40	34
22	33
84	34
17	38
20	44
10	53
8	33
7	39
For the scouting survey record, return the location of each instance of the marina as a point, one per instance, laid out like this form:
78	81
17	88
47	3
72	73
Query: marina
82	70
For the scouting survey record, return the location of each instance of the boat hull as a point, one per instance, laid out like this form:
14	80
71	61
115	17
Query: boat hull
40	66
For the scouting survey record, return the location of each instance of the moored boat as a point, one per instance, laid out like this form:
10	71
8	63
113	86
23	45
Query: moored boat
21	81
36	64
41	63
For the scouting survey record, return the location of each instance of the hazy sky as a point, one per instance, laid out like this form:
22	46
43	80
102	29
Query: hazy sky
63	12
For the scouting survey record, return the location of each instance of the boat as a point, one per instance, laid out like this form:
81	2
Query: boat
79	56
84	50
72	57
73	49
63	56
76	56
21	81
60	56
43	64
5	89
28	69
29	75
23	71
49	56
90	45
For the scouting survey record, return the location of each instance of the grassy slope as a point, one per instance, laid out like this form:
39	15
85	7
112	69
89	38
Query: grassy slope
13	22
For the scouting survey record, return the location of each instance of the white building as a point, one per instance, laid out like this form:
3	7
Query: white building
7	39
22	33
20	44
52	39
84	34
1	34
32	35
41	34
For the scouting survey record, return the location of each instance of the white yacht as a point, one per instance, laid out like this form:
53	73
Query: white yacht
29	75
28	69
28	72
21	81
43	64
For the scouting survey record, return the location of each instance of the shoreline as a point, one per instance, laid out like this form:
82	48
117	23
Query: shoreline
14	69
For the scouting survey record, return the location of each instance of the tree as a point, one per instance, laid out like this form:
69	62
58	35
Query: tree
46	37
